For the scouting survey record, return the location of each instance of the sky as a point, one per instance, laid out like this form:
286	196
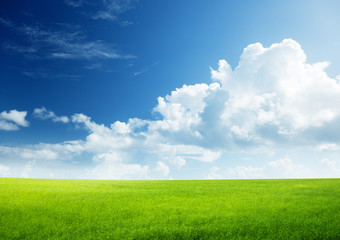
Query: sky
149	89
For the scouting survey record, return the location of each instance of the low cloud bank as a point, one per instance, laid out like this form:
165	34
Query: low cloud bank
272	100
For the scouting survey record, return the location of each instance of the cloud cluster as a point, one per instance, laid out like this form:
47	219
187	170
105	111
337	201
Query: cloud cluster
122	143
12	120
272	100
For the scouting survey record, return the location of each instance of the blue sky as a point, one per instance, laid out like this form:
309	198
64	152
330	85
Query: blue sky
169	89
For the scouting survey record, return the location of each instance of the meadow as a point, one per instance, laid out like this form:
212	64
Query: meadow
197	209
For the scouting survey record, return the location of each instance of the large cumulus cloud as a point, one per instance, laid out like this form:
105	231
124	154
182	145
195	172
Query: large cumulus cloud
272	97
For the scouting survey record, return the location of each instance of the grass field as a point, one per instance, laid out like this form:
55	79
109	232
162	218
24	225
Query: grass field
221	209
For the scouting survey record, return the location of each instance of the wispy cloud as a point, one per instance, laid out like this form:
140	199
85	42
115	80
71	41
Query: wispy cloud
44	114
109	10
145	69
109	68
6	22
74	3
46	74
28	52
62	41
95	66
125	23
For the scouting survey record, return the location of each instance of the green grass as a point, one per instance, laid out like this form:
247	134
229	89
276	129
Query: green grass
223	209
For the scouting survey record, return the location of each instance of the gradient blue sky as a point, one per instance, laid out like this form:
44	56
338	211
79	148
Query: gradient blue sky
69	69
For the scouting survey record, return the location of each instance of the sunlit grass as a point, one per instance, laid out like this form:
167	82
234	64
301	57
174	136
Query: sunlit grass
230	209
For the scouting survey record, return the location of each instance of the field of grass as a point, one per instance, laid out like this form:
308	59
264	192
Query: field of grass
221	209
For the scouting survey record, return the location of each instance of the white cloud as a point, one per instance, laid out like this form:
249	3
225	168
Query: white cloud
7	126
183	107
179	154
4	170
213	173
239	132
329	147
110	166
280	168
330	163
332	168
163	168
28	169
101	138
43	113
286	168
245	172
44	154
12	119
282	163
15	116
